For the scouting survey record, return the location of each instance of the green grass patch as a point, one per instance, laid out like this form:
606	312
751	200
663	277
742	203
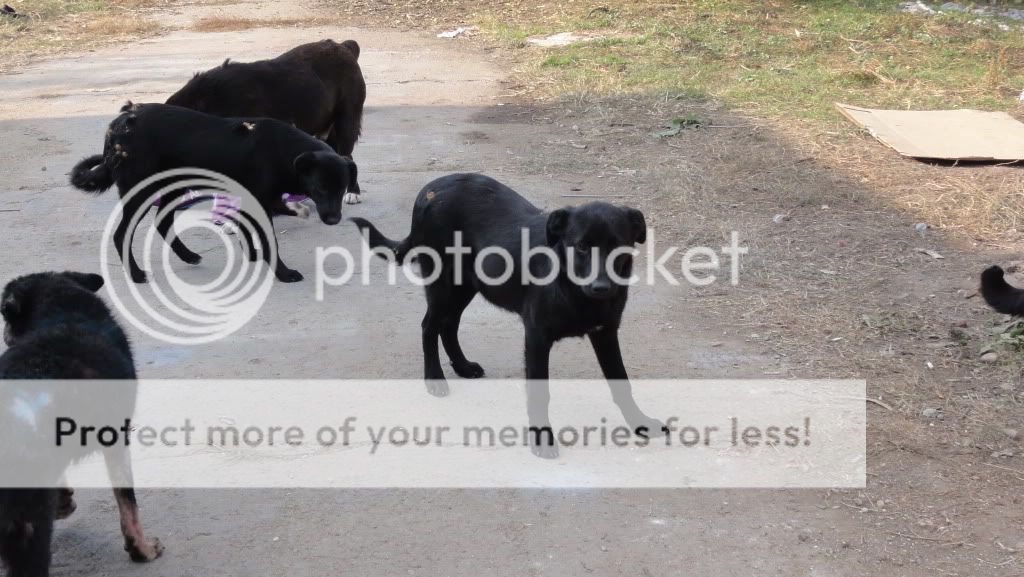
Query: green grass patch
789	58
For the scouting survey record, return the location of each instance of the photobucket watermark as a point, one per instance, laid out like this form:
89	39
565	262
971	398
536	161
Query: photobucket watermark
536	265
183	306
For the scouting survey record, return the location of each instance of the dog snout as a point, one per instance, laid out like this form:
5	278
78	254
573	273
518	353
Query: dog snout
330	219
601	288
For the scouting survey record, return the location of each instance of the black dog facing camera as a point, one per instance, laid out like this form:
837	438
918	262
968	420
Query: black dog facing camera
490	215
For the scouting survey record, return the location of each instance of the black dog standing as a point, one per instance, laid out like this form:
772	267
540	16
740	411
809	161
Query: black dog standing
490	214
265	156
318	87
57	328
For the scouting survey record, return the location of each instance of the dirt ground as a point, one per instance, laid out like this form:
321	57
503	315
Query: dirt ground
836	288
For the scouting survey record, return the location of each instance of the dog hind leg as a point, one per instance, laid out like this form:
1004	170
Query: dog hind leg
165	226
438	297
461	297
122	232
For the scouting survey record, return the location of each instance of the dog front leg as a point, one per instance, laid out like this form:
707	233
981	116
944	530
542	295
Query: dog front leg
139	548
609	356
343	136
282	272
538	395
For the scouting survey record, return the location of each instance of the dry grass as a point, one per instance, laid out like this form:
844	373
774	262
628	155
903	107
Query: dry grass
49	27
231	23
120	27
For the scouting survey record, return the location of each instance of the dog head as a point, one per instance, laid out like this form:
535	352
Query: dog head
48	298
596	240
194	94
325	177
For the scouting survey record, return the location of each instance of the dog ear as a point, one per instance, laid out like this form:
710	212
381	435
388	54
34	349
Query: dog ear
304	163
636	220
87	280
14	301
558	221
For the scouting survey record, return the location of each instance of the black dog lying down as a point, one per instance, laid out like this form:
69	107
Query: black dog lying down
999	294
265	156
489	214
318	87
57	328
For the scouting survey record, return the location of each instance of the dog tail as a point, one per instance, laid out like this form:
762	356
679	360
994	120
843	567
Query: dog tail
352	46
999	294
378	240
92	174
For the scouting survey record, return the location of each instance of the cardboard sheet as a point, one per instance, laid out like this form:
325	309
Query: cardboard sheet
943	134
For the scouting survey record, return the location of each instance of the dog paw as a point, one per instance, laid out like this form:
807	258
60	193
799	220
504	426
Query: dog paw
352	198
544	451
145	552
438	387
66	504
289	275
300	209
648	427
191	258
469	370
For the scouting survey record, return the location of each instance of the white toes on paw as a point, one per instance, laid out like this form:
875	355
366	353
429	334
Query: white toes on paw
352	198
300	209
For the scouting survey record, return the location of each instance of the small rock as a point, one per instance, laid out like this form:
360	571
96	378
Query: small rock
990	357
780	218
931	413
1012	433
879	503
921	228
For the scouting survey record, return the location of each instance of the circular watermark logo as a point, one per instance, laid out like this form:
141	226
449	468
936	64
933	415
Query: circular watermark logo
173	309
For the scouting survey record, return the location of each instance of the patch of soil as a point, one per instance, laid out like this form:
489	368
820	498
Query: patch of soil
836	284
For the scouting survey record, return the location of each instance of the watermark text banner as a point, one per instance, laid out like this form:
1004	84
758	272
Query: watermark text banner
381	433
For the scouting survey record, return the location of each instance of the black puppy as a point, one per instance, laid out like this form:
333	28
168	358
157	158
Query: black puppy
265	156
318	87
999	294
490	214
57	328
